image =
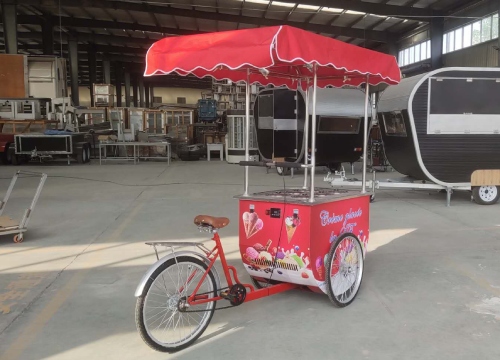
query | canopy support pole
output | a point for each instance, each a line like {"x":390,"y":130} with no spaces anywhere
{"x":365,"y":135}
{"x":306,"y":136}
{"x":313,"y":131}
{"x":247,"y":131}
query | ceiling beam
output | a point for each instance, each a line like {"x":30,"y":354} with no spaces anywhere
{"x":90,"y":38}
{"x":369,"y":7}
{"x":86,"y":48}
{"x":102,"y":24}
{"x":374,"y":35}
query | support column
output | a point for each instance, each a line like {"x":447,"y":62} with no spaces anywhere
{"x":127,"y":88}
{"x":9,"y":17}
{"x":135,"y":100}
{"x":498,"y":40}
{"x":48,"y":36}
{"x":106,"y":70}
{"x":392,"y":49}
{"x":92,"y":71}
{"x":151,"y":95}
{"x":141,"y":92}
{"x":73,"y":65}
{"x":118,"y":83}
{"x":437,"y":31}
{"x":146,"y":95}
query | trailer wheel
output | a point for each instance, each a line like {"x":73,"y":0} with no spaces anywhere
{"x":282,"y":171}
{"x":6,"y":157}
{"x":486,"y":195}
{"x":81,"y":156}
{"x":16,"y":160}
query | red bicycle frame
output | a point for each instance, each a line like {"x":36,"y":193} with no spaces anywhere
{"x":253,"y":294}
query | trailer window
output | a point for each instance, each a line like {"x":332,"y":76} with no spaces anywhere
{"x":464,"y":106}
{"x":394,"y":124}
{"x":338,"y":125}
{"x":266,"y":106}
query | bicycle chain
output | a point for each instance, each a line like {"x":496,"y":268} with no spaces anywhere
{"x":209,"y":292}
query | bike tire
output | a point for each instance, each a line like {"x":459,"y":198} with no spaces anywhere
{"x":206,"y":315}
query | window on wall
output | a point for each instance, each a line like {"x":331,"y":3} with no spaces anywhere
{"x":415,"y":53}
{"x":494,"y":27}
{"x":477,"y":32}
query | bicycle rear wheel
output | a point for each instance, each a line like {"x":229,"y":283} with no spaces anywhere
{"x":161,"y":323}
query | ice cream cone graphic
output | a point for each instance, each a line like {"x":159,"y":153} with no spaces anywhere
{"x":291,"y":223}
{"x":246,"y":222}
{"x":256,"y":227}
{"x":290,"y":230}
{"x":249,"y":220}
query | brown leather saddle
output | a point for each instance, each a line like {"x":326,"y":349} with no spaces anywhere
{"x":215,"y":222}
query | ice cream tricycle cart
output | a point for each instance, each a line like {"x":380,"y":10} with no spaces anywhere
{"x":289,"y":238}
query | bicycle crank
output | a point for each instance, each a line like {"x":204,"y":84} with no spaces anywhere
{"x":236,"y":295}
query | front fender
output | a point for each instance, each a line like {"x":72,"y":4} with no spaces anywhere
{"x":142,"y":284}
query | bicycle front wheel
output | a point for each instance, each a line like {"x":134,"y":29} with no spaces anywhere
{"x":162,"y":320}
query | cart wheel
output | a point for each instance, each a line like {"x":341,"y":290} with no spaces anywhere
{"x":372,"y":198}
{"x":81,"y":157}
{"x":486,"y":195}
{"x":18,"y":238}
{"x":282,"y":171}
{"x":344,"y":270}
{"x":88,"y":153}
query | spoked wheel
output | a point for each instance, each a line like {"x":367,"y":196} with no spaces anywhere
{"x":162,"y":318}
{"x":345,"y":269}
{"x":486,"y":195}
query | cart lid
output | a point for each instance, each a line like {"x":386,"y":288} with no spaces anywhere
{"x":278,"y":55}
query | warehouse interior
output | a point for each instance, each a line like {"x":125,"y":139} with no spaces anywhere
{"x":101,"y":159}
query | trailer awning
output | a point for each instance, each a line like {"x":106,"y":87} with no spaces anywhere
{"x":278,"y":55}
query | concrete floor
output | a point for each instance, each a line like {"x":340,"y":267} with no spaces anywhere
{"x":431,"y":288}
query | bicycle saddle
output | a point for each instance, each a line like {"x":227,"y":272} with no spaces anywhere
{"x":215,"y":222}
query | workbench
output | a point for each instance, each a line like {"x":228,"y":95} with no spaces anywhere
{"x":136,"y":154}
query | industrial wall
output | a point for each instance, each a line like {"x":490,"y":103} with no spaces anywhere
{"x":483,"y":54}
{"x":478,"y":55}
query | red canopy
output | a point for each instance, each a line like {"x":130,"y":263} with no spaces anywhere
{"x":283,"y":52}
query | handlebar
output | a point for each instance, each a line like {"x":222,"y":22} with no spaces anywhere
{"x":271,"y":163}
{"x":252,"y":163}
{"x":287,"y":164}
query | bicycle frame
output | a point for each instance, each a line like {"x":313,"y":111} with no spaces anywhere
{"x":213,"y":255}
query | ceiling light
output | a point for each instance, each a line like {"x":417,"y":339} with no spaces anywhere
{"x":279,"y":3}
{"x":334,"y":10}
{"x":308,"y":7}
{"x":265,"y":2}
{"x":355,"y":12}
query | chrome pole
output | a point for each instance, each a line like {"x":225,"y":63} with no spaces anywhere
{"x":247,"y":131}
{"x":365,"y":135}
{"x":306,"y":136}
{"x":313,"y":132}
